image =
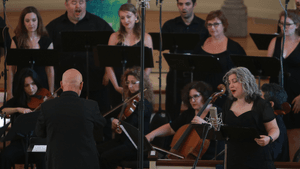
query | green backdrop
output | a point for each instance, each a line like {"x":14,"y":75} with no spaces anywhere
{"x":107,"y":10}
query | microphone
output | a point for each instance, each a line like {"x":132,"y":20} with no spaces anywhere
{"x":214,"y":118}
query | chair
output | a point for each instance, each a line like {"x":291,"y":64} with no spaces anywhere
{"x":294,"y":143}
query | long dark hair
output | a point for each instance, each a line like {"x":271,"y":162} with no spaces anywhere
{"x":19,"y":80}
{"x":137,"y":26}
{"x":21,"y":31}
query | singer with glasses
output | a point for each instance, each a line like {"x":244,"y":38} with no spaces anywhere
{"x":31,"y":34}
{"x":219,"y":46}
{"x":245,"y":108}
{"x":120,"y":148}
{"x":194,"y":96}
{"x":291,"y":63}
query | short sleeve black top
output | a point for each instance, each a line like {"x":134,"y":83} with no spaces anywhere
{"x":247,"y":153}
{"x":77,"y":60}
{"x":44,"y":43}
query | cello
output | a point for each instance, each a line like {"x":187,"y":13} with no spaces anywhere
{"x":186,"y":141}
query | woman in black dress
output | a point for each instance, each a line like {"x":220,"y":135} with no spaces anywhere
{"x":120,"y":148}
{"x":291,"y":62}
{"x":245,"y":108}
{"x":219,"y":46}
{"x":129,"y":34}
{"x":30,"y":33}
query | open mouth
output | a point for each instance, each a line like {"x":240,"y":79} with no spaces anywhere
{"x":77,"y":11}
{"x":233,"y":91}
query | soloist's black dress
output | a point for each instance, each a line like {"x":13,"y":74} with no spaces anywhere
{"x":247,"y":154}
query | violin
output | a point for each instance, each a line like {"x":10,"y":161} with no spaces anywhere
{"x":41,"y":96}
{"x":186,"y":141}
{"x":38,"y":98}
{"x":130,"y":108}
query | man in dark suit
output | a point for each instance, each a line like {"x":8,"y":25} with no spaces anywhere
{"x":68,"y":123}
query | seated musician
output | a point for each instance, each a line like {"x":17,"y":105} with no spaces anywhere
{"x":120,"y":148}
{"x":194,"y":95}
{"x":26,"y":85}
{"x":276,"y":95}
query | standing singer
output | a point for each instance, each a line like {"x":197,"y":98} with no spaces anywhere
{"x":245,"y":108}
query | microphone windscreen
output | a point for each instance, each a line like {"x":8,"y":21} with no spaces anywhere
{"x":214,"y":117}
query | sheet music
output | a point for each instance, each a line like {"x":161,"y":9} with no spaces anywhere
{"x":39,"y":148}
{"x":124,"y":130}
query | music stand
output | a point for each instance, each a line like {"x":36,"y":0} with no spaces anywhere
{"x":225,"y":133}
{"x":132,"y":134}
{"x":31,"y":57}
{"x":23,"y":127}
{"x":121,"y":56}
{"x":262,"y":41}
{"x":3,"y":129}
{"x":258,"y":66}
{"x":83,"y":41}
{"x":176,"y":41}
{"x":191,"y":63}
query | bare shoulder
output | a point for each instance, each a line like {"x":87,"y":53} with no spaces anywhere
{"x":113,"y":39}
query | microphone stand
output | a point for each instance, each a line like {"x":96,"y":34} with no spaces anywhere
{"x":281,"y":75}
{"x":160,"y":50}
{"x":206,"y":128}
{"x":5,"y":68}
{"x":141,"y":106}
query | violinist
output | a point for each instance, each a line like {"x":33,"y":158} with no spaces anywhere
{"x":120,"y":148}
{"x":27,"y":85}
{"x":276,"y":95}
{"x":245,"y":108}
{"x":194,"y":96}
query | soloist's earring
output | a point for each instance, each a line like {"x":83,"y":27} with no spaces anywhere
{"x":136,"y":21}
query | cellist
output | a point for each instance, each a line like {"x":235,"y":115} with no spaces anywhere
{"x":194,"y":95}
{"x":26,"y":85}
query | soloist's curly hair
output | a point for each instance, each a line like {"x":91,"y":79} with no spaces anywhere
{"x":248,"y":81}
{"x":203,"y":88}
{"x":136,"y":72}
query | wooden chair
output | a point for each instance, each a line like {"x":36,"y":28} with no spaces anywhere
{"x":294,"y":142}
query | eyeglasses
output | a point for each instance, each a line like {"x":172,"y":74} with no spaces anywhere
{"x":194,"y":97}
{"x":216,"y":24}
{"x":287,"y":24}
{"x":131,"y":82}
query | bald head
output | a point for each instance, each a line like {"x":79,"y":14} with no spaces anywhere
{"x":72,"y":81}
